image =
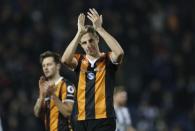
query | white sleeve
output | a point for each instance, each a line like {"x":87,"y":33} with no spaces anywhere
{"x":127,"y":116}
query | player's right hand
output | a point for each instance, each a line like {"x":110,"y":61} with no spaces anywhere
{"x":42,"y":87}
{"x":81,"y":23}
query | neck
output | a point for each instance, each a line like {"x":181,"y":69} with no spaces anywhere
{"x":55,"y":78}
{"x":92,"y":57}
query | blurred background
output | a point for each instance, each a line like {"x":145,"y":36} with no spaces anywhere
{"x":158,"y":70}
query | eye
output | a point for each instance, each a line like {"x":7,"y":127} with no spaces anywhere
{"x":83,"y":43}
{"x":49,"y":64}
{"x":91,"y":40}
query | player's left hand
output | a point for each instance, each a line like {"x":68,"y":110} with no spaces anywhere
{"x":95,"y":18}
{"x":51,"y":89}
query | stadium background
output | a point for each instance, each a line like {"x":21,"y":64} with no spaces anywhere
{"x":158,"y":69}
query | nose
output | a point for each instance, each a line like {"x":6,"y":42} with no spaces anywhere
{"x":88,"y":43}
{"x":45,"y":68}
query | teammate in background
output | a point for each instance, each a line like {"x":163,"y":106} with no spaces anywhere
{"x":123,"y":118}
{"x":95,"y":73}
{"x":56,"y":95}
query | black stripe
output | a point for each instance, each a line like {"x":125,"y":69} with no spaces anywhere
{"x":110,"y":74}
{"x":47,"y":115}
{"x":90,"y":92}
{"x":63,"y":124}
{"x":70,"y":97}
{"x":60,"y":115}
{"x":77,"y":70}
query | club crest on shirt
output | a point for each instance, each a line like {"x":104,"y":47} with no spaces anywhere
{"x":70,"y":89}
{"x":90,"y":76}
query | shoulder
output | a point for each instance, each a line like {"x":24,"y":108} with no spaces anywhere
{"x":69,"y":86}
{"x":67,"y":82}
{"x":78,"y":56}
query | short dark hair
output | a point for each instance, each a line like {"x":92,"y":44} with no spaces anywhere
{"x":90,"y":29}
{"x":55,"y":56}
{"x":119,"y":89}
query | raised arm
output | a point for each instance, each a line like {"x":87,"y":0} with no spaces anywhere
{"x":117,"y":51}
{"x":68,"y":56}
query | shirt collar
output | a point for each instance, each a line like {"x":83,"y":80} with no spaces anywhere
{"x":56,"y":82}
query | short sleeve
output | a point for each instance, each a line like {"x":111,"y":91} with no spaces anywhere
{"x":111,"y":60}
{"x":77,"y":56}
{"x":79,"y":59}
{"x":68,"y":92}
{"x":110,"y":63}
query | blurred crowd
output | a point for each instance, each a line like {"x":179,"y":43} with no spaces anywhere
{"x":158,"y":70}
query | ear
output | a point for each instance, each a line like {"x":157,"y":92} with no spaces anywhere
{"x":58,"y":66}
{"x":81,"y":45}
{"x":97,"y":37}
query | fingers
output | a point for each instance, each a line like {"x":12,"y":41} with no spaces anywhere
{"x":46,"y":87}
{"x":81,"y":18}
{"x":94,"y":12}
{"x":91,"y":19}
{"x":43,"y":84}
{"x":42,"y":78}
{"x":90,"y":16}
{"x":93,"y":15}
{"x":101,"y":19}
{"x":50,"y":90}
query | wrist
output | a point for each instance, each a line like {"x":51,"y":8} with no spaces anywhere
{"x":53,"y":96}
{"x":41,"y":97}
{"x":80,"y":33}
{"x":99,"y":29}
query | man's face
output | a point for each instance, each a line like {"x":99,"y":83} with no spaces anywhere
{"x":121,"y":98}
{"x":50,"y":68}
{"x":89,"y":43}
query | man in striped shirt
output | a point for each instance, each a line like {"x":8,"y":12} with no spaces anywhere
{"x":95,"y":73}
{"x":56,"y":95}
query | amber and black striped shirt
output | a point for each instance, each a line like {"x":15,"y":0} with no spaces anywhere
{"x":53,"y":119}
{"x":95,"y":87}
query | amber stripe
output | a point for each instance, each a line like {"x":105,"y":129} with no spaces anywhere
{"x":54,"y":112}
{"x":100,"y":101}
{"x":81,"y":90}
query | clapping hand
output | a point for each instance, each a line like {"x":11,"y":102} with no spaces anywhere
{"x":51,"y":88}
{"x":95,"y":18}
{"x":42,"y":87}
{"x":81,"y":23}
